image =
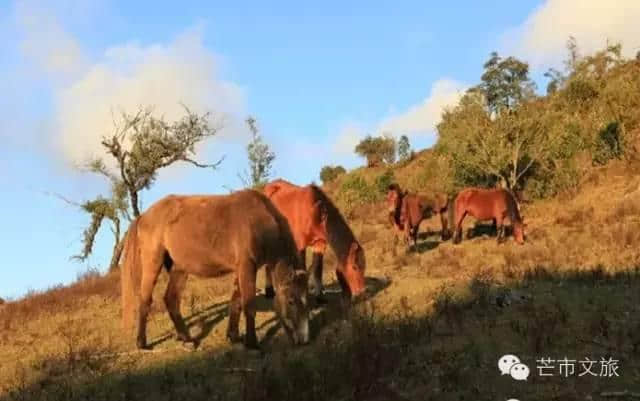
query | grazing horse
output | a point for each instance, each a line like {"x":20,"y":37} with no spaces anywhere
{"x":406,"y":211}
{"x":485,"y":204}
{"x":316,"y":222}
{"x":211,"y":236}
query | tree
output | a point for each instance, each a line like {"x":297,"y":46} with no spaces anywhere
{"x":505,"y":83}
{"x":377,"y":149}
{"x":404,"y":148}
{"x":503,"y":149}
{"x":556,"y":80}
{"x":140,"y":146}
{"x":260,"y":157}
{"x":330,"y":173}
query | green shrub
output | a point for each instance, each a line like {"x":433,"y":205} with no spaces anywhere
{"x":383,"y":181}
{"x":579,"y":91}
{"x":330,"y":173}
{"x":608,"y":144}
{"x":354,"y":192}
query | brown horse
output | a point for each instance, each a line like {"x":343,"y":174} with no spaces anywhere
{"x":484,"y":204}
{"x":211,"y":236}
{"x":406,"y":211}
{"x":316,"y":222}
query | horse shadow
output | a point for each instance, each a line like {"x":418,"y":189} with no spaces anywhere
{"x":481,"y":229}
{"x":425,"y":246}
{"x":337,"y":308}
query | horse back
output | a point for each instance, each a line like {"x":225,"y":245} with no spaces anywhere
{"x":211,"y":234}
{"x":297,"y":205}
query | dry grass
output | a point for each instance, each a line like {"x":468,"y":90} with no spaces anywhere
{"x":433,"y":328}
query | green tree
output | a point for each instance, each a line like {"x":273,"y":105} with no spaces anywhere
{"x":505,"y":83}
{"x":260,"y":156}
{"x":377,"y":150}
{"x":404,"y":148}
{"x":140,"y":146}
{"x":330,"y":173}
{"x":503,"y":149}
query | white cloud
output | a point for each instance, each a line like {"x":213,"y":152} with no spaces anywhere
{"x":89,"y":91}
{"x":421,"y":119}
{"x":542,"y":38}
{"x":161,"y":75}
{"x":347,"y":139}
{"x":46,"y":43}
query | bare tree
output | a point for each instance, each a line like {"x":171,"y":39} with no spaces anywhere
{"x":140,"y":146}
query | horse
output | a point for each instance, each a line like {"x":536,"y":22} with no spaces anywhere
{"x":211,"y":236}
{"x":316,"y":222}
{"x":484,"y":204}
{"x":406,"y":211}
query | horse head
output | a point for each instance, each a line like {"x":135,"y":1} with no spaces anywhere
{"x":394,"y":198}
{"x":290,"y":302}
{"x":518,"y":232}
{"x":351,"y":275}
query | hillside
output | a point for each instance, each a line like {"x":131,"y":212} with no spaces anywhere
{"x":433,"y":326}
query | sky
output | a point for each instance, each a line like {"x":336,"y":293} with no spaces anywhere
{"x":317,"y":77}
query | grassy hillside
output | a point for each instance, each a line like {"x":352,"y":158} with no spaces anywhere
{"x":433,"y":327}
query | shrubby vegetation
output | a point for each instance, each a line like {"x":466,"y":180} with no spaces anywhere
{"x":330,"y":173}
{"x":502,"y":133}
{"x":377,"y":150}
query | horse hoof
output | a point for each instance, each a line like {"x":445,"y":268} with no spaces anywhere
{"x":142,"y":345}
{"x":321,"y":299}
{"x":269,"y":292}
{"x":190,"y":345}
{"x":233,"y":338}
{"x":252,"y":345}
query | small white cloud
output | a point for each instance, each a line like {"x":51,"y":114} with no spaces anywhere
{"x":422,"y":118}
{"x":46,"y":43}
{"x":542,"y":38}
{"x":348,"y":138}
{"x":131,"y":75}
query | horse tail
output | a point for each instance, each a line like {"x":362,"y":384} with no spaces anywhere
{"x":130,"y":276}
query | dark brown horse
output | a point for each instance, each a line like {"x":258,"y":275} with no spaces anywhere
{"x":316,"y":222}
{"x":406,"y":211}
{"x":211,"y":236}
{"x":489,"y":204}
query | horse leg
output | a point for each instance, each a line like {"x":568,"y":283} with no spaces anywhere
{"x":247,"y":286}
{"x":500,"y":228}
{"x":234,"y":313}
{"x":151,"y":264}
{"x":269,"y":292}
{"x":444,"y":232}
{"x":316,"y":270}
{"x":414,"y":233}
{"x":177,"y":282}
{"x":457,"y":237}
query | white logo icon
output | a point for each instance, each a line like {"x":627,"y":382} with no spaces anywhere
{"x":519,"y":371}
{"x":506,"y":362}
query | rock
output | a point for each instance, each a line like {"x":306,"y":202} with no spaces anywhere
{"x":1,"y":301}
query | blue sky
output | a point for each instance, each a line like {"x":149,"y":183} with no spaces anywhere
{"x":317,"y":78}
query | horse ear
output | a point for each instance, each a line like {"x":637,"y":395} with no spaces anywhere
{"x":282,"y":274}
{"x":353,"y":249}
{"x":300,"y":278}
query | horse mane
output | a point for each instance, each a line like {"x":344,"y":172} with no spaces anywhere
{"x":283,"y":226}
{"x":339,"y":234}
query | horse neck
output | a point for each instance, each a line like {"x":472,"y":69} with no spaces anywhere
{"x":512,"y":208}
{"x":340,"y":237}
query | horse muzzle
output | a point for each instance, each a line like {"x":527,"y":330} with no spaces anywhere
{"x":301,"y":335}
